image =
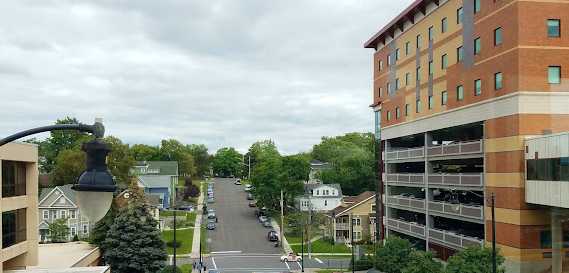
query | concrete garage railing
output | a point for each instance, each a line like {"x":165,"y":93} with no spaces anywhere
{"x":461,"y":179}
{"x":405,"y":154}
{"x":407,"y":227}
{"x":467,"y":147}
{"x":474,"y":212}
{"x":406,"y":202}
{"x":454,"y":240}
{"x":417,"y":179}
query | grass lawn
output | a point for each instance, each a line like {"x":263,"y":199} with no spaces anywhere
{"x":186,"y":268}
{"x":328,"y":270}
{"x":321,"y":246}
{"x":294,"y":239}
{"x":186,"y":236}
{"x":203,"y":239}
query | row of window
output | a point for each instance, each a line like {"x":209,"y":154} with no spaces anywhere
{"x":549,"y":169}
{"x":72,"y":214}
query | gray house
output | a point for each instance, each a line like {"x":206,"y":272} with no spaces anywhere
{"x":60,"y":203}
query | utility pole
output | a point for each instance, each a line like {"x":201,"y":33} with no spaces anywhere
{"x":282,"y":217}
{"x":249,"y":175}
{"x":494,"y":265}
{"x":302,"y":247}
{"x":175,"y":245}
{"x":352,"y":242}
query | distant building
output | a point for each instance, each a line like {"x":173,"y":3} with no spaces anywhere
{"x":157,"y":178}
{"x":320,"y":197}
{"x":360,"y":209}
{"x":60,"y":203}
{"x":152,"y":201}
{"x":316,"y":168}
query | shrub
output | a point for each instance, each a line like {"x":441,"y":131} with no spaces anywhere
{"x":75,"y":238}
{"x":474,"y":260}
{"x":362,"y":264}
{"x":423,"y":262}
{"x":393,"y":256}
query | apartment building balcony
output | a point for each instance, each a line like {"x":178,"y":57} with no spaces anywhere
{"x":417,"y":153}
{"x":405,"y":179}
{"x":409,"y":228}
{"x":406,"y":202}
{"x":453,"y":240}
{"x":463,"y":148}
{"x":449,"y":180}
{"x":459,"y":211}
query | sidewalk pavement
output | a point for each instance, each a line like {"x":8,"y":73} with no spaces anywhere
{"x":197,"y":227}
{"x":276,"y":227}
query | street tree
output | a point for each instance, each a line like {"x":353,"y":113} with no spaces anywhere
{"x":120,"y":161}
{"x":423,"y":262}
{"x":69,"y":165}
{"x":133,"y":243}
{"x":143,"y":152}
{"x":58,"y":230}
{"x":174,"y":150}
{"x":474,"y":260}
{"x":227,"y":162}
{"x":201,"y":158}
{"x":394,"y":255}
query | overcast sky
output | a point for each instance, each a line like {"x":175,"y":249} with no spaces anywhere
{"x":217,"y":72}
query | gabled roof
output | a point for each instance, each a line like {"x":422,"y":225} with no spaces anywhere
{"x":357,"y":200}
{"x":159,"y":167}
{"x":310,"y":187}
{"x":65,"y":189}
{"x":155,"y":181}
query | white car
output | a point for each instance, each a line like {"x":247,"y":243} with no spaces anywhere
{"x":249,"y":187}
{"x":291,"y":257}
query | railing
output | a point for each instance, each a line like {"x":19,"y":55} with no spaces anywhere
{"x":455,"y":240}
{"x":406,"y":227}
{"x":405,"y":178}
{"x":467,"y":147}
{"x":405,"y":153}
{"x":406,"y":202}
{"x":460,"y":179}
{"x":343,"y":226}
{"x":474,"y":212}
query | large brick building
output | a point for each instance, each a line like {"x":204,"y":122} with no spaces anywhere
{"x":459,"y":85}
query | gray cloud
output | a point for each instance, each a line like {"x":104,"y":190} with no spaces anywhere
{"x":221,"y":72}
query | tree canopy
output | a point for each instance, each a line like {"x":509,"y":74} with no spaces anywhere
{"x":474,"y":260}
{"x":227,"y":162}
{"x":393,"y":256}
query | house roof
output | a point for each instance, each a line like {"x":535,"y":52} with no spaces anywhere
{"x":66,"y":189}
{"x":309,"y":187}
{"x":162,"y":167}
{"x":397,"y":23}
{"x":357,"y":200}
{"x":317,"y":164}
{"x":155,"y":181}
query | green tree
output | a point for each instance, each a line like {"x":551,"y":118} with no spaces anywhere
{"x":474,"y":260}
{"x":120,"y":161}
{"x":423,"y":262}
{"x":99,"y":232}
{"x":58,"y":230}
{"x":59,"y":141}
{"x":142,"y":152}
{"x":173,"y":150}
{"x":201,"y":158}
{"x":393,"y":256}
{"x":133,"y":243}
{"x":227,"y":162}
{"x":69,"y":165}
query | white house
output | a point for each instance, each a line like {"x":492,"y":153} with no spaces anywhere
{"x":320,"y":197}
{"x":316,"y":168}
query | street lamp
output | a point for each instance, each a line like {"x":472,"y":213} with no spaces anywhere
{"x":95,"y":186}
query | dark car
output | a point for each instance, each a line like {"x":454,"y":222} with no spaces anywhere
{"x":273,"y":236}
{"x":252,"y":204}
{"x":249,"y":196}
{"x":210,"y":226}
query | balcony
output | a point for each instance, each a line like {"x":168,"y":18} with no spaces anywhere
{"x":342,"y":226}
{"x":409,"y":228}
{"x":461,"y":210}
{"x":454,"y":240}
{"x":405,"y":179}
{"x":457,"y":180}
{"x":458,"y":148}
{"x":407,"y":202}
{"x":410,"y":153}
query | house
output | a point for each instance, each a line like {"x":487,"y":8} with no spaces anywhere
{"x":152,"y":201}
{"x":60,"y":203}
{"x":316,"y":168}
{"x":157,"y":178}
{"x":360,"y":209}
{"x":320,"y":197}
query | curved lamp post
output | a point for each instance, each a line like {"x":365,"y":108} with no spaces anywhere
{"x":95,"y":186}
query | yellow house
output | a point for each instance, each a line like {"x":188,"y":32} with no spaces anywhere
{"x":360,"y":209}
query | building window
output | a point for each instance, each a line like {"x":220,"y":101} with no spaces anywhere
{"x":13,"y":178}
{"x":418,"y":74}
{"x":419,"y":41}
{"x":548,"y":169}
{"x":418,"y":106}
{"x":379,"y":92}
{"x":53,"y":214}
{"x":498,"y":36}
{"x":389,"y":60}
{"x":476,"y":6}
{"x":73,"y":231}
{"x":431,"y":102}
{"x":317,"y":192}
{"x":554,"y":28}
{"x":444,"y":98}
{"x":431,"y":33}
{"x":554,"y":74}
{"x":13,"y":227}
{"x":397,"y":84}
{"x":325,"y":203}
{"x":407,"y":107}
{"x":397,"y":113}
{"x":45,"y":214}
{"x":459,"y":54}
{"x":397,"y":54}
{"x":459,"y":15}
{"x":380,"y":65}
{"x":477,"y":87}
{"x":85,"y":229}
{"x":407,"y":48}
{"x":498,"y":81}
{"x":389,"y":88}
{"x":431,"y":68}
{"x":63,"y":214}
{"x":388,"y":115}
{"x":444,"y":61}
{"x":459,"y":93}
{"x":444,"y":25}
{"x":407,"y":78}
{"x":477,"y":46}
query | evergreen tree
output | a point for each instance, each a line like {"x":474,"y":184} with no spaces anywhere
{"x":133,"y":243}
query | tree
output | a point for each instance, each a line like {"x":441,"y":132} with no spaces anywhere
{"x":201,"y":158}
{"x":474,"y":260}
{"x":173,"y":150}
{"x":190,"y":190}
{"x":59,"y":141}
{"x":393,"y":256}
{"x":423,"y":262}
{"x":142,"y":152}
{"x":69,"y":165}
{"x":133,"y":242}
{"x":227,"y":162}
{"x":120,"y":161}
{"x":58,"y":230}
{"x":99,"y":232}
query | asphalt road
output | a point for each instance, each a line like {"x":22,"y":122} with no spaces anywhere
{"x":238,"y":230}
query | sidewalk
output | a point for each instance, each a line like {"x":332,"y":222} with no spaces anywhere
{"x":197,"y":227}
{"x":286,"y":246}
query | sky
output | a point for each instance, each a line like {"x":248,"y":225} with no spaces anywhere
{"x":217,"y":72}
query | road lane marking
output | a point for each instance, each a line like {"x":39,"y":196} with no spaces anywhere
{"x":227,"y":252}
{"x":287,"y":266}
{"x":299,"y":264}
{"x":318,"y":260}
{"x":213,"y":261}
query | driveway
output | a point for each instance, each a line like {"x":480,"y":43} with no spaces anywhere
{"x":238,"y":230}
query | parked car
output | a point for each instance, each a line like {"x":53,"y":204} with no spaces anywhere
{"x":249,"y":187}
{"x":237,"y":182}
{"x":252,"y":204}
{"x":211,"y":215}
{"x":210,"y":226}
{"x":249,"y":196}
{"x":211,"y":199}
{"x":291,"y":257}
{"x":189,"y":208}
{"x":267,"y":223}
{"x":209,"y":210}
{"x":260,"y":212}
{"x":273,"y":236}
{"x":263,"y":219}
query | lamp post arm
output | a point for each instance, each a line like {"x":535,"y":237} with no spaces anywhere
{"x":97,"y":129}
